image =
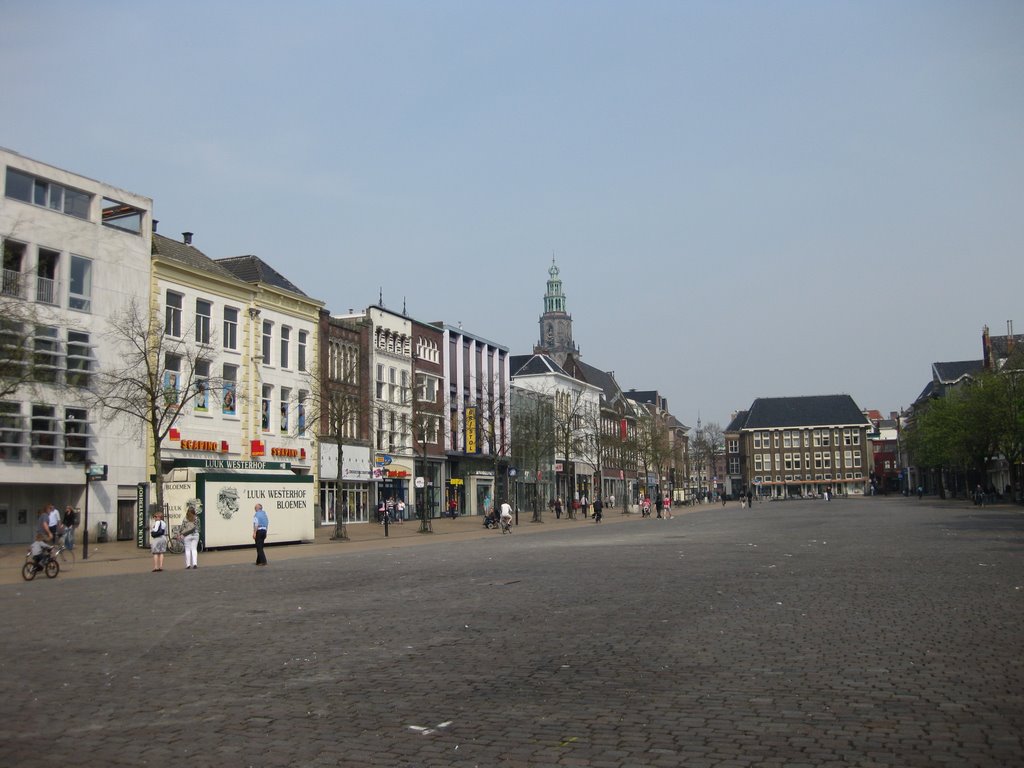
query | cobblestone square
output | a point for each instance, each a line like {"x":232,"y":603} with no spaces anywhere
{"x":862,"y":632}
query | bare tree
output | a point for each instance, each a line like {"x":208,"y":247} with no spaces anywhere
{"x":573,"y":419}
{"x":156,"y":377}
{"x":653,"y":448}
{"x":533,"y":441}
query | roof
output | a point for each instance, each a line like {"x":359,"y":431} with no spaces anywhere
{"x":188,"y":255}
{"x":737,"y":422}
{"x":533,"y":365}
{"x":809,"y":411}
{"x":951,"y":373}
{"x":253,"y":269}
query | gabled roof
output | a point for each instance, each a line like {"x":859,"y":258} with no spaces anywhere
{"x":533,"y":365}
{"x":253,"y":269}
{"x":952,"y":373}
{"x":814,"y":410}
{"x":188,"y":255}
{"x":737,"y":422}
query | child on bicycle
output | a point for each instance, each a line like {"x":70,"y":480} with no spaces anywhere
{"x":40,"y":551}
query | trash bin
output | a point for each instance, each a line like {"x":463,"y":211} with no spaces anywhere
{"x":101,"y":537}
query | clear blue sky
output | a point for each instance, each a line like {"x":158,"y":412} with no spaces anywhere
{"x":745,"y":198}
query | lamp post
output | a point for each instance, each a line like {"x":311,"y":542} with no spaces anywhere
{"x":85,"y":515}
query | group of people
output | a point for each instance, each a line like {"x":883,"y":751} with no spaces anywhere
{"x":582,"y":505}
{"x":159,"y":536}
{"x":662,"y":507}
{"x":52,"y":526}
{"x":391,"y":510}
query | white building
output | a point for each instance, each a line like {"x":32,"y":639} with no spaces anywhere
{"x":75,"y":251}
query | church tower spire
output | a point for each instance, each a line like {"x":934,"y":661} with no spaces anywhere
{"x":555,"y":323}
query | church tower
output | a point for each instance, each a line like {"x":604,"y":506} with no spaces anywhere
{"x":555,"y":323}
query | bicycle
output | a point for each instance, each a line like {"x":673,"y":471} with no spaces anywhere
{"x":50,"y":566}
{"x":65,"y":556}
{"x":176,"y":542}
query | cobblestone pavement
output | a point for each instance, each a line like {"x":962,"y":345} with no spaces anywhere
{"x":868,"y":632}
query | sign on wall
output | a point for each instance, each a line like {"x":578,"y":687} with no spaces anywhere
{"x":471,"y":430}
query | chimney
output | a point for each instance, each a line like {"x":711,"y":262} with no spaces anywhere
{"x":186,"y":238}
{"x":155,"y":222}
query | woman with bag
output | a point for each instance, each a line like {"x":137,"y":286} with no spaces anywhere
{"x":158,"y":540}
{"x":190,"y":537}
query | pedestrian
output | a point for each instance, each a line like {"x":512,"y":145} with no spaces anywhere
{"x":70,"y":522}
{"x":260,"y":524}
{"x":584,"y":505}
{"x":453,"y":508}
{"x":54,"y":522}
{"x":920,"y":491}
{"x":645,"y":508}
{"x":43,"y":524}
{"x":382,"y":510}
{"x":657,"y":506}
{"x":558,"y":508}
{"x":611,"y":501}
{"x":723,"y":497}
{"x":598,"y":508}
{"x":190,"y":537}
{"x":158,"y":540}
{"x":389,"y":509}
{"x":750,"y":498}
{"x":400,"y":510}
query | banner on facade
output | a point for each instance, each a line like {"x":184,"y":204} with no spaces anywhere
{"x":471,"y":430}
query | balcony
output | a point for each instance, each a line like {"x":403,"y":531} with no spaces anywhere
{"x":13,"y":284}
{"x":46,"y":291}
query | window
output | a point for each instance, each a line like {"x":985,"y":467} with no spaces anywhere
{"x":286,"y":336}
{"x":44,"y":433}
{"x":286,"y":396}
{"x":300,"y":413}
{"x":46,"y":354}
{"x":202,"y":385}
{"x":817,"y":459}
{"x":776,"y":439}
{"x":46,"y":276}
{"x":172,"y":377}
{"x":14,"y":259}
{"x":204,"y":310}
{"x":303,"y":335}
{"x":230,"y":328}
{"x":786,"y":442}
{"x":758,"y":466}
{"x":47,"y":194}
{"x":10,"y":431}
{"x":734,"y":465}
{"x":268,"y":330}
{"x":380,"y":382}
{"x":268,"y":393}
{"x":118,"y":215}
{"x":227,"y":403}
{"x":757,"y":439}
{"x":734,"y":446}
{"x":172,"y":318}
{"x":856,"y":437}
{"x":80,"y":284}
{"x":76,"y":435}
{"x":847,"y":437}
{"x":79,"y":360}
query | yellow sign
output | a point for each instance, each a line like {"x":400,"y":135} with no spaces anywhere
{"x":471,"y":430}
{"x":455,"y":481}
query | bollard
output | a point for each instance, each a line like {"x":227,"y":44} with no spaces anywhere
{"x":387,"y":518}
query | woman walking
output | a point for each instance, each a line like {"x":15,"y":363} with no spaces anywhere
{"x":190,"y":536}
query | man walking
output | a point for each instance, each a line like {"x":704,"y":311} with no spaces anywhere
{"x":260,"y":523}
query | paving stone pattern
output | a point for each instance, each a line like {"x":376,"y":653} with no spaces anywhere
{"x":868,"y":632}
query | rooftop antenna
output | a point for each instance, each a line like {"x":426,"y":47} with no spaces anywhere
{"x":403,"y":305}
{"x":380,"y":297}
